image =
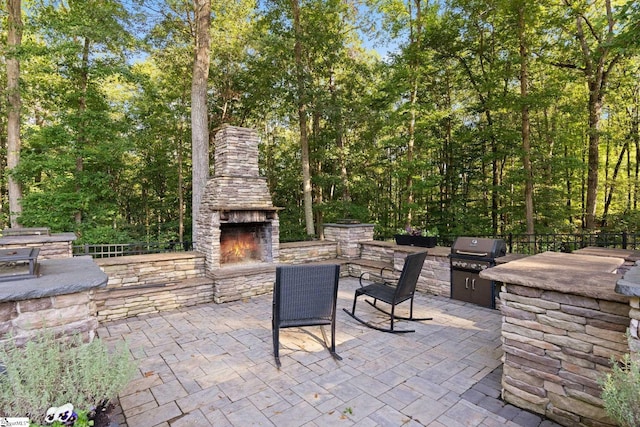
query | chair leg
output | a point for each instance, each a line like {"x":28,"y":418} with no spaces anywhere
{"x":393,"y":312}
{"x":377,"y":328}
{"x":353,"y":309}
{"x":276,"y":344}
{"x":332,"y":346}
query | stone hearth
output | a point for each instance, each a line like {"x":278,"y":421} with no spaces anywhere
{"x":238,"y":226}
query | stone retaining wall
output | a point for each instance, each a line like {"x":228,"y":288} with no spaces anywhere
{"x":303,"y":252}
{"x":142,"y":284}
{"x":243,"y":282}
{"x":629,"y":285}
{"x":348,"y":237}
{"x":436,"y":273}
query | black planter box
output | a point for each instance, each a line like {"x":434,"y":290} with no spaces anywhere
{"x":422,"y":241}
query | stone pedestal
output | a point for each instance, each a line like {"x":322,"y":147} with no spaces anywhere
{"x":348,"y":237}
{"x":52,"y":246}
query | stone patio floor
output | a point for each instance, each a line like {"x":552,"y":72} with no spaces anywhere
{"x":213,"y":365}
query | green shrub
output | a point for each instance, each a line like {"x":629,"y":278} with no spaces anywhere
{"x":621,"y":392}
{"x":51,"y":372}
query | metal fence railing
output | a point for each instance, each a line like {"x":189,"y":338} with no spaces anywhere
{"x":123,"y":249}
{"x":516,"y":243}
{"x":561,"y":242}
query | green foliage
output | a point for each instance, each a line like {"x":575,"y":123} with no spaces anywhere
{"x":621,"y":391}
{"x":52,"y":372}
{"x":106,"y":139}
{"x":103,"y":235}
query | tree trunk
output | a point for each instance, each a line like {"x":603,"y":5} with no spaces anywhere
{"x":82,"y":109}
{"x":598,"y":64}
{"x":525,"y":125}
{"x":14,"y":40}
{"x":307,"y":189}
{"x":414,"y":41}
{"x":199,"y":111}
{"x":609,"y":196}
{"x":593,"y":162}
{"x":340,"y":145}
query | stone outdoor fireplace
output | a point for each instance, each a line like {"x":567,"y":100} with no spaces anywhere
{"x":237,"y":224}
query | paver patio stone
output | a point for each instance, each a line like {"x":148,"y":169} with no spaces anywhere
{"x":213,"y":365}
{"x":168,"y":392}
{"x":297,"y":415}
{"x":154,"y":417}
{"x":192,"y":419}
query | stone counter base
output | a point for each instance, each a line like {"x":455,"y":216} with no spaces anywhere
{"x":556,"y":348}
{"x":62,"y":315}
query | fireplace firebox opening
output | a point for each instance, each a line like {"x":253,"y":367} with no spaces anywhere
{"x":244,"y":243}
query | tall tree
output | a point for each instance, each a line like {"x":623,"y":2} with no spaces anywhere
{"x":74,"y":142}
{"x":415,"y":38}
{"x":199,"y":110}
{"x":14,"y":40}
{"x":302,"y":116}
{"x":525,"y":119}
{"x":600,"y":48}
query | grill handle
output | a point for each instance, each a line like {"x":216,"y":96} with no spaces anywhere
{"x":471,"y":253}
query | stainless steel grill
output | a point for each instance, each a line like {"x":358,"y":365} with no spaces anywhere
{"x":469,"y":256}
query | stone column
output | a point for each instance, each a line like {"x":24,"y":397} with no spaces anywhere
{"x":348,"y":237}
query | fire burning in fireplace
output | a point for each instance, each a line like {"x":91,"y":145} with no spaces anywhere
{"x":240,"y":244}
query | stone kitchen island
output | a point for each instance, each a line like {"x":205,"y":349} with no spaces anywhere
{"x":562,"y":323}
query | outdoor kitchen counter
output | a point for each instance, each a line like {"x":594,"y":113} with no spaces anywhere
{"x":628,"y":255}
{"x":56,"y":277}
{"x":562,"y":322}
{"x":585,"y":275}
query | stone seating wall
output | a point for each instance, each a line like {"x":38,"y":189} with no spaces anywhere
{"x":143,"y":284}
{"x":304,"y":252}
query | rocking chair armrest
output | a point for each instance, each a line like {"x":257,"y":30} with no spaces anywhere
{"x":379,"y":278}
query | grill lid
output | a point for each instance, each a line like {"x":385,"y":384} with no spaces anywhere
{"x":478,"y":247}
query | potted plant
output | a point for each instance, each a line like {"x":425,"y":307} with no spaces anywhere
{"x":411,"y":236}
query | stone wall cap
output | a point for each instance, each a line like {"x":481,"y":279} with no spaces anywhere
{"x":584,"y":275}
{"x":56,"y":277}
{"x":245,"y":208}
{"x":358,"y":225}
{"x":37,"y":238}
{"x":135,"y":259}
{"x":630,"y":283}
{"x":626,"y":254}
{"x":238,"y":270}
{"x":307,"y":243}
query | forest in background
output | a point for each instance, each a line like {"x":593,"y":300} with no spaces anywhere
{"x":486,"y":116}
